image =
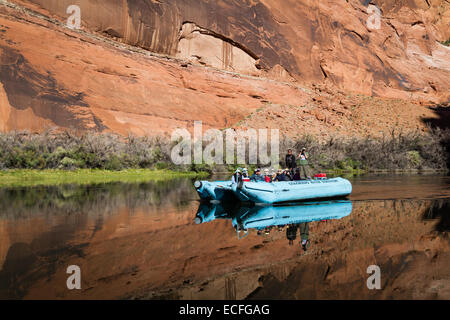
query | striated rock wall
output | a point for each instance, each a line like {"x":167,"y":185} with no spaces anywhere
{"x":199,"y":45}
{"x":311,"y":40}
{"x":93,"y":79}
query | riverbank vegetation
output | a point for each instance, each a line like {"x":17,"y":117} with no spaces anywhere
{"x":27,"y":177}
{"x":102,"y":156}
{"x":412,"y":151}
{"x":67,"y":150}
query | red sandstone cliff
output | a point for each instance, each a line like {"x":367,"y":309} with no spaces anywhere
{"x":148,"y":67}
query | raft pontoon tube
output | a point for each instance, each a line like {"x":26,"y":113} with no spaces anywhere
{"x":213,"y":190}
{"x":285,"y":191}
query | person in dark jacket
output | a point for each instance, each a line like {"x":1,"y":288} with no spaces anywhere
{"x":290,"y":160}
{"x":291,"y":233}
{"x":287,"y":175}
{"x":284,"y":175}
{"x":257,"y":176}
{"x":280,"y":176}
{"x":296,"y":174}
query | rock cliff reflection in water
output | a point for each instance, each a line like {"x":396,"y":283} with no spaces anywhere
{"x":144,"y":241}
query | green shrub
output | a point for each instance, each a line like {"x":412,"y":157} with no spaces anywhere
{"x":414,"y":158}
{"x":68,"y":163}
{"x":113,"y":163}
{"x":446,"y":42}
{"x":161,"y":165}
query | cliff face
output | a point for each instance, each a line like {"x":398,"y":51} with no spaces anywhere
{"x":308,"y":40}
{"x":295,"y":43}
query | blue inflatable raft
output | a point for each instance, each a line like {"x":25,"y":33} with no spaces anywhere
{"x":276,"y":192}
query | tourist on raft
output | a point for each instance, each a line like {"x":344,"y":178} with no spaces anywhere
{"x":291,"y":161}
{"x":237,"y":176}
{"x":282,"y":176}
{"x":303,"y":164}
{"x":245,"y":176}
{"x":267,"y":176}
{"x":279,"y":176}
{"x":274,"y":175}
{"x":287,"y":175}
{"x":257,"y":176}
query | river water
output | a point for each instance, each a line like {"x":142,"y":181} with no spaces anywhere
{"x":157,"y":241}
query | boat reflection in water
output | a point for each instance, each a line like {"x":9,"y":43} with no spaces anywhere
{"x":263,"y":218}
